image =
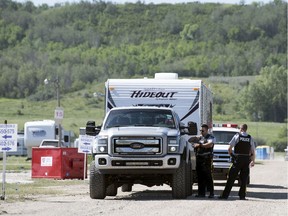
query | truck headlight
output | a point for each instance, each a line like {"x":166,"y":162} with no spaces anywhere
{"x":101,"y":145}
{"x":173,"y":145}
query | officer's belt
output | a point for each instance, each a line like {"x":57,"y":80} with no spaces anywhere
{"x":242,"y":155}
{"x":205,"y":154}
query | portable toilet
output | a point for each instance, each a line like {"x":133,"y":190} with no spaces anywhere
{"x":264,"y":152}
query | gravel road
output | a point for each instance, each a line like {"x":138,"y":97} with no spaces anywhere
{"x":267,"y":196}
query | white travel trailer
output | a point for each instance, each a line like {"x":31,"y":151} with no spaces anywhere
{"x":36,"y":131}
{"x":191,"y":99}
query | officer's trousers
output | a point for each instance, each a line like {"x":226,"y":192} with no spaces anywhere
{"x":204,"y":174}
{"x":240,"y":165}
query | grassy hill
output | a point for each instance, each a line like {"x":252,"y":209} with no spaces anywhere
{"x":81,"y":106}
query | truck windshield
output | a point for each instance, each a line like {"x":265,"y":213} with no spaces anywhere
{"x":138,"y":118}
{"x":50,"y":143}
{"x":223,"y":137}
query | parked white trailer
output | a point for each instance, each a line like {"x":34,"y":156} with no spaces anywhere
{"x":191,"y":99}
{"x":36,"y":131}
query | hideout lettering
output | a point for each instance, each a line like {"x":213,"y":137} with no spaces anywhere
{"x":151,"y":94}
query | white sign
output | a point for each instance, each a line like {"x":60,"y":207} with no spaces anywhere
{"x":8,"y":137}
{"x":85,"y":144}
{"x":59,"y":113}
{"x":46,"y":161}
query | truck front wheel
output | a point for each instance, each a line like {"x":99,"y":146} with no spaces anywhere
{"x":179,"y":179}
{"x":97,"y":183}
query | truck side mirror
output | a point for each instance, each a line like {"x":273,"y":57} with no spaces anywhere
{"x":91,"y":128}
{"x":192,"y":128}
{"x":66,"y":138}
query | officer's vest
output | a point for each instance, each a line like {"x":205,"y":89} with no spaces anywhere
{"x":243,"y":146}
{"x":206,"y":151}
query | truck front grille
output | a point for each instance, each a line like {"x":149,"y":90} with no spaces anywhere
{"x":137,"y":163}
{"x":221,"y":156}
{"x":137,"y":145}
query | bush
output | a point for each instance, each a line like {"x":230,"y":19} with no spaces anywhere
{"x":279,"y":145}
{"x":260,"y":141}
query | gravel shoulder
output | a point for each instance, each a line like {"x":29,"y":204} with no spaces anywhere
{"x":267,"y":195}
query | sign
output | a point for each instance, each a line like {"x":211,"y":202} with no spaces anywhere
{"x":85,"y":144}
{"x":58,"y":114}
{"x":8,"y":137}
{"x":46,"y":161}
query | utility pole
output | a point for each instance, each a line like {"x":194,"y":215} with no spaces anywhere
{"x":59,"y":112}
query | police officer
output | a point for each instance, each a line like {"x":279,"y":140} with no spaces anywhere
{"x":204,"y":162}
{"x":244,"y":156}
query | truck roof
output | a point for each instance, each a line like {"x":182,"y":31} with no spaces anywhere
{"x":50,"y":143}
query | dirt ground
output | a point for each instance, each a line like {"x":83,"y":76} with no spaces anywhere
{"x":267,"y":196}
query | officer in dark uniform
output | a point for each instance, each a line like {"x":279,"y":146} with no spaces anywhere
{"x":243,"y":157}
{"x":204,"y":162}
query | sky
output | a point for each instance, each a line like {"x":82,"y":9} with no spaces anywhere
{"x":52,"y":2}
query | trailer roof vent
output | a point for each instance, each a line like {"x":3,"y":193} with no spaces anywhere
{"x":166,"y":75}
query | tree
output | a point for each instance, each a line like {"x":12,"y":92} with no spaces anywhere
{"x":268,"y":95}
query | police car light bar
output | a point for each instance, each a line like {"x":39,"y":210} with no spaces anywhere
{"x":226,"y":125}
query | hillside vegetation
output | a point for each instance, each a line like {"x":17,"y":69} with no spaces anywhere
{"x":87,"y":42}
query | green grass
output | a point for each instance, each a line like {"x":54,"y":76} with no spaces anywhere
{"x":80,"y":107}
{"x":16,"y":164}
{"x":266,"y":131}
{"x":23,"y":191}
{"x":77,"y":111}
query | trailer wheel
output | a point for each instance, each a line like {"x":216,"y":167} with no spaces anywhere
{"x":97,"y":183}
{"x":179,"y":184}
{"x":126,"y":187}
{"x":111,"y":190}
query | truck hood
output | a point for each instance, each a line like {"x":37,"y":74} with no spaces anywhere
{"x":139,"y":131}
{"x":221,"y":147}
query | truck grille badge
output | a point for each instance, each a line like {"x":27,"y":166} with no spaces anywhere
{"x":136,"y":145}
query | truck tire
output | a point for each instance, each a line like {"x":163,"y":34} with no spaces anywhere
{"x":111,"y":190}
{"x":126,"y":188}
{"x":97,"y":183}
{"x":179,"y":184}
{"x":189,"y":179}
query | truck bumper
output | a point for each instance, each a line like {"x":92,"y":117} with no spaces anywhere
{"x":106,"y":163}
{"x":220,"y":170}
{"x":221,"y":165}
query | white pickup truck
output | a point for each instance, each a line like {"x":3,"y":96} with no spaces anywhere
{"x":223,"y":134}
{"x":141,"y":145}
{"x":51,"y":143}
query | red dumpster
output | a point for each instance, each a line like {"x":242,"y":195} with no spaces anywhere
{"x":58,"y":163}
